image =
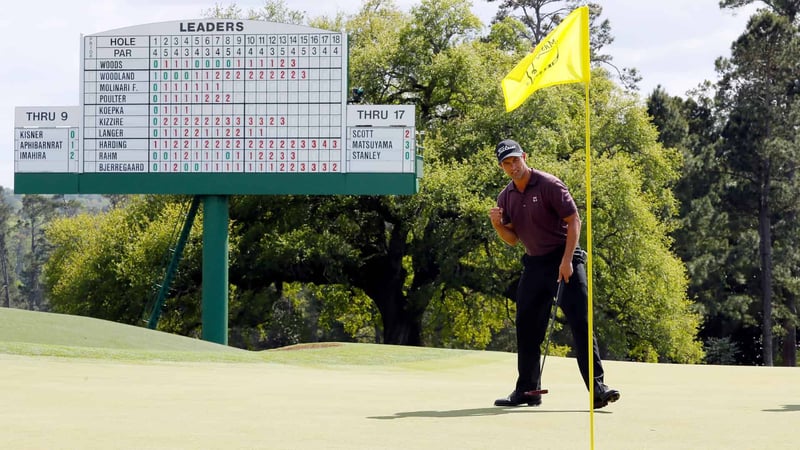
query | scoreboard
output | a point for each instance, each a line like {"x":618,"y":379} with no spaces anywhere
{"x":380,"y":138}
{"x":219,"y":107}
{"x":47,"y":139}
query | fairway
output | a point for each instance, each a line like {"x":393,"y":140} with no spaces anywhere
{"x":357,"y":396}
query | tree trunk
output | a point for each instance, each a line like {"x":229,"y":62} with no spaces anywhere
{"x":765,"y":250}
{"x":4,"y":263}
{"x":402,"y":328}
{"x":402,"y":323}
{"x":33,"y":275}
{"x":383,"y":281}
{"x":789,"y":350}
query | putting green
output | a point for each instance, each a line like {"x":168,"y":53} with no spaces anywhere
{"x":78,"y":383}
{"x":432,"y":404}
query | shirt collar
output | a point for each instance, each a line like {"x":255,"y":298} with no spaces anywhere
{"x":531,"y":181}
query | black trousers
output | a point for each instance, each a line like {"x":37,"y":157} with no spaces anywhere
{"x":535,"y":293}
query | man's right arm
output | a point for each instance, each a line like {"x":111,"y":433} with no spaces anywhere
{"x":505,"y":231}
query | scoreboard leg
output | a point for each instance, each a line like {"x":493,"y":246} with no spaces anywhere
{"x":215,"y":269}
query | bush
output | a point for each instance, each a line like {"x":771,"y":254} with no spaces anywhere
{"x":721,"y":351}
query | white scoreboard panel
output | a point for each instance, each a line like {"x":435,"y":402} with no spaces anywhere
{"x":47,"y":138}
{"x":381,"y":138}
{"x":214,"y":96}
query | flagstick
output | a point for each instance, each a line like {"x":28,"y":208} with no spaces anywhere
{"x":589,"y":268}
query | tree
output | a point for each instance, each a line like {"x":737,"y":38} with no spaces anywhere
{"x":637,"y":275}
{"x":109,"y":265}
{"x":760,"y":150}
{"x":36,"y":212}
{"x":786,"y":8}
{"x":5,"y":269}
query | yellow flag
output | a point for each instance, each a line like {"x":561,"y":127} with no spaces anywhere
{"x":561,"y":57}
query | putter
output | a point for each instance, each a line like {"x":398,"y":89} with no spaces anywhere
{"x":556,"y":301}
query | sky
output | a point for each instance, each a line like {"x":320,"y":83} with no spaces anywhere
{"x":673,"y":43}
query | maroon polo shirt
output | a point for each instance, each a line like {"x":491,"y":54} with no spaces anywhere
{"x":537,"y":214}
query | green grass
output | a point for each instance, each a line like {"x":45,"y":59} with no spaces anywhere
{"x":94,"y":384}
{"x":59,"y":335}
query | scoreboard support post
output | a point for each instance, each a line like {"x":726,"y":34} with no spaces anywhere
{"x":215,"y":269}
{"x":154,"y":312}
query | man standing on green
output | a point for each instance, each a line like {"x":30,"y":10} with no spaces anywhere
{"x":537,"y":209}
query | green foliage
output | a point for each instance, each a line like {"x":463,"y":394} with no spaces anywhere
{"x":644,"y":352}
{"x":6,"y":272}
{"x":505,"y":35}
{"x":36,"y":212}
{"x":107,"y":266}
{"x":350,"y":309}
{"x":463,"y":320}
{"x":640,"y":286}
{"x":721,"y":350}
{"x":277,"y":11}
{"x":738,"y":192}
{"x":454,"y":234}
{"x":374,"y":43}
{"x":787,"y":8}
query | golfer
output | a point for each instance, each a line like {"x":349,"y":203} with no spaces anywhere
{"x":537,"y":209}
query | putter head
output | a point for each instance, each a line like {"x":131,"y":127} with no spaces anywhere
{"x":537,"y":392}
